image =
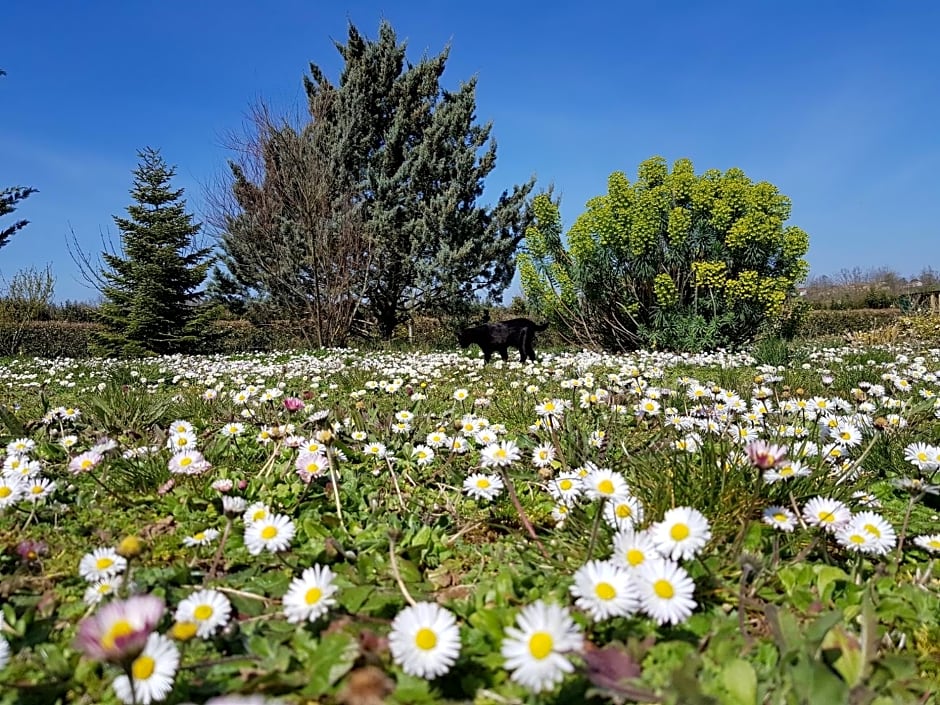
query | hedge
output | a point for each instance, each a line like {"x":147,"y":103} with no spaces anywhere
{"x":824,"y":323}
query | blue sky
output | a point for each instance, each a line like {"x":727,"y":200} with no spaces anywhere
{"x":836,"y":103}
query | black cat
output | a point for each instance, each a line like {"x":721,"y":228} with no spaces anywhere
{"x":517,"y":332}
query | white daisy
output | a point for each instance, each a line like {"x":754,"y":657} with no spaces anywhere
{"x":422,"y":454}
{"x":101,"y":563}
{"x":830,"y":514}
{"x":603,"y":483}
{"x":153,"y":673}
{"x":566,"y":488}
{"x":779,"y":518}
{"x":665,"y":590}
{"x":928,"y":542}
{"x":882,"y":536}
{"x":273,"y":534}
{"x":207,"y":609}
{"x":604,"y":590}
{"x":4,"y":652}
{"x":633,"y":548}
{"x":424,"y":640}
{"x":681,"y":534}
{"x":11,"y":490}
{"x":500,"y":454}
{"x":100,"y":589}
{"x":37,"y":488}
{"x":257,"y":511}
{"x":543,"y":455}
{"x":311,"y":595}
{"x":482,"y":486}
{"x":201,"y":538}
{"x":535,"y":649}
{"x":623,"y":511}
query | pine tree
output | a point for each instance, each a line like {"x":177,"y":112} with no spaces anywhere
{"x":414,"y":160}
{"x":9,"y":197}
{"x":152,"y":300}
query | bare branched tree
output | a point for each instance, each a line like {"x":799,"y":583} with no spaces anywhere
{"x":290,"y":230}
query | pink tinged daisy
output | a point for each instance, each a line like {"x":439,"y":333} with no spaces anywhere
{"x":152,"y":672}
{"x":681,"y":534}
{"x":311,"y":465}
{"x":84,"y":462}
{"x":829,"y":514}
{"x":119,"y":630}
{"x":273,"y":534}
{"x":483,"y":487}
{"x":928,"y":542}
{"x":207,"y":609}
{"x":764,"y":455}
{"x":188,"y":462}
{"x":779,"y":518}
{"x":101,"y":563}
{"x":665,"y":590}
{"x":632,"y":549}
{"x":536,"y":648}
{"x":424,"y":640}
{"x":604,"y":590}
{"x":201,"y":538}
{"x":603,"y":483}
{"x":310,"y":596}
{"x":622,"y":512}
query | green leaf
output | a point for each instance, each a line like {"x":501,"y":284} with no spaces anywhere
{"x":327,"y":661}
{"x":740,"y":681}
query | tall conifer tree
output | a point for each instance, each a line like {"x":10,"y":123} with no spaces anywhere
{"x":414,"y":159}
{"x":152,"y":300}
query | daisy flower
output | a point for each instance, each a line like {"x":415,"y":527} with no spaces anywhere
{"x":779,"y":518}
{"x":681,"y":534}
{"x":786,"y":470}
{"x":543,"y":455}
{"x":11,"y":489}
{"x":272,"y":533}
{"x":376,"y":450}
{"x":422,"y":454}
{"x":830,"y":514}
{"x":310,"y":465}
{"x":928,"y":542}
{"x":207,"y":609}
{"x":882,"y":534}
{"x":665,"y":590}
{"x":566,"y":488}
{"x":424,"y":640}
{"x":233,"y":429}
{"x":101,"y":563}
{"x":120,"y":629}
{"x":201,"y":538}
{"x":604,"y":590}
{"x":84,"y":462}
{"x":153,"y":673}
{"x":535,"y":647}
{"x":99,"y":590}
{"x":764,"y":455}
{"x":4,"y":652}
{"x":633,"y":548}
{"x":310,"y":596}
{"x":603,"y":483}
{"x":188,"y":462}
{"x":20,"y":446}
{"x":622,"y":512}
{"x":255,"y":512}
{"x":233,"y":505}
{"x":37,"y":489}
{"x":481,"y":486}
{"x":500,"y":454}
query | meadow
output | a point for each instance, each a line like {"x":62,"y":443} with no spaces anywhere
{"x":360,"y":527}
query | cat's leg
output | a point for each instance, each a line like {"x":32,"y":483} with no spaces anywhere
{"x":487,"y":353}
{"x":504,"y":353}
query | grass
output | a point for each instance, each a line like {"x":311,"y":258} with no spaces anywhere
{"x":778,"y":617}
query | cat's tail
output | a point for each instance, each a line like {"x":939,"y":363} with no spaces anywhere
{"x":541,"y":327}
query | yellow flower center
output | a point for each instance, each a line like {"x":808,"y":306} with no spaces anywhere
{"x":119,"y":629}
{"x":143,"y":667}
{"x":857,"y":539}
{"x":635,"y":557}
{"x":934,"y":543}
{"x":36,"y":489}
{"x":200,"y":536}
{"x":202,"y":612}
{"x":425,"y":639}
{"x":605,"y":487}
{"x":86,"y":463}
{"x":780,"y":516}
{"x":605,"y":591}
{"x":664,"y":589}
{"x":873,"y":530}
{"x":826,"y":517}
{"x":679,"y":532}
{"x":624,"y":511}
{"x":104,"y":563}
{"x":185,"y":460}
{"x":183,"y":631}
{"x":269,"y":532}
{"x":313,"y":595}
{"x":483,"y":483}
{"x":104,"y":588}
{"x":5,"y":491}
{"x":565,"y":484}
{"x":259,"y":515}
{"x":786,"y":471}
{"x":540,"y":645}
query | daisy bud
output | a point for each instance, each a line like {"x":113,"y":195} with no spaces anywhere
{"x":130,"y":547}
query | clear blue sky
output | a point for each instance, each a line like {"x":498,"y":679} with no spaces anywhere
{"x":836,"y":103}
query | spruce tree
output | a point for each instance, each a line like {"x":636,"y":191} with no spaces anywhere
{"x":414,"y":161}
{"x":9,"y":197}
{"x":152,"y":300}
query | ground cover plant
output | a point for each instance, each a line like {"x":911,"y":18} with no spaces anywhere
{"x":358,"y":527}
